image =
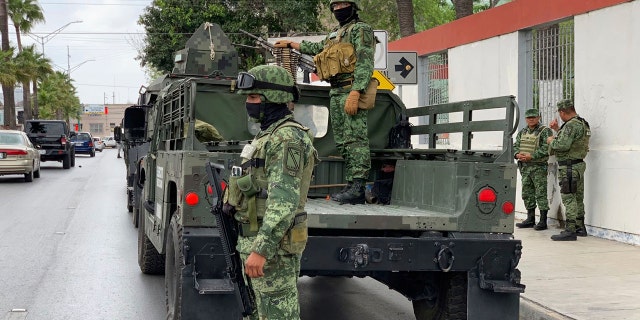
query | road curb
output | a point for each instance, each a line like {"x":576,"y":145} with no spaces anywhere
{"x":531,"y":310}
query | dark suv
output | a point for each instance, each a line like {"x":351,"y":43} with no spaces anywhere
{"x":52,"y":138}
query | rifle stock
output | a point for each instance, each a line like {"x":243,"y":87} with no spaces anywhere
{"x":228,"y":229}
{"x":305,"y":61}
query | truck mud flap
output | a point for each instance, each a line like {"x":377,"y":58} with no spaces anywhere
{"x":485,"y":304}
{"x":207,"y":289}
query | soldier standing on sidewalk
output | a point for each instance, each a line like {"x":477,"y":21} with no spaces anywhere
{"x":571,"y":146}
{"x":531,"y":151}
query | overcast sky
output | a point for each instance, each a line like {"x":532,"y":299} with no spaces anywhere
{"x":101,"y":49}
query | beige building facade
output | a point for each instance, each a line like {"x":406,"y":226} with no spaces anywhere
{"x":99,"y":123}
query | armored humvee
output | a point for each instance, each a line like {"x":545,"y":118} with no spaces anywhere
{"x":445,"y":240}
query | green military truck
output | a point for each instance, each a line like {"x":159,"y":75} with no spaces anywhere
{"x":445,"y":241}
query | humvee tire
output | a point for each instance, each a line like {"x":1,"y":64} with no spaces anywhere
{"x":174,"y":265}
{"x":149,"y":260}
{"x":451,"y":303}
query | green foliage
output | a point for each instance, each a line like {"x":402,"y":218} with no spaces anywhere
{"x":169,"y":23}
{"x":57,"y":97}
{"x":8,"y":68}
{"x":25,"y":13}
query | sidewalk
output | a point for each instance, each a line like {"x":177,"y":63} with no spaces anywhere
{"x":588,"y":279}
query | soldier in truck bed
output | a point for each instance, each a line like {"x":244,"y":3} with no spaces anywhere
{"x":275,"y":178}
{"x":351,"y":86}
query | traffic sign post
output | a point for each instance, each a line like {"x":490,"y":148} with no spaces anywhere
{"x":402,"y":67}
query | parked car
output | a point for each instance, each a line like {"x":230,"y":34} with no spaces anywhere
{"x":52,"y":138}
{"x":18,"y":155}
{"x":83,"y":143}
{"x":98,"y":144}
{"x":110,"y":142}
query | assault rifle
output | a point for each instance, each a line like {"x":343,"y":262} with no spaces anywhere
{"x":305,"y":62}
{"x":228,"y":229}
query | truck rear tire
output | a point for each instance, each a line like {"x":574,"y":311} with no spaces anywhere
{"x":451,"y":303}
{"x":66,"y":161}
{"x":149,"y":260}
{"x":174,"y":265}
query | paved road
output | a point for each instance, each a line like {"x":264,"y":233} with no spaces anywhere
{"x":68,"y":251}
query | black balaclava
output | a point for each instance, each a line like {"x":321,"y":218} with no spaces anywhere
{"x":267,"y":113}
{"x":345,"y":15}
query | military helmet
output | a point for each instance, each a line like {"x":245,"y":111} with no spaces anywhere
{"x":565,"y":104}
{"x":273,"y":82}
{"x":354,"y":3}
{"x":531,"y":113}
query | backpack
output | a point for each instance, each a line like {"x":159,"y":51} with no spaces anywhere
{"x":400,"y":134}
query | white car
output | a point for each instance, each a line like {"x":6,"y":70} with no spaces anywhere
{"x":98,"y":144}
{"x":110,"y":142}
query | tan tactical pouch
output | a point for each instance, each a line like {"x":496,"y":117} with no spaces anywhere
{"x":368,"y":99}
{"x":295,"y":239}
{"x":334,"y":59}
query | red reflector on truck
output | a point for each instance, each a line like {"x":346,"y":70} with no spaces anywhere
{"x":191,"y":199}
{"x":508,"y":207}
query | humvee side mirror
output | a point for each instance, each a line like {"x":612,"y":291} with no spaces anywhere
{"x":117,"y":133}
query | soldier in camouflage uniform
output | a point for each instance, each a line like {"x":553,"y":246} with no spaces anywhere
{"x":277,"y":168}
{"x":349,"y":122}
{"x":571,"y":146}
{"x":531,"y":151}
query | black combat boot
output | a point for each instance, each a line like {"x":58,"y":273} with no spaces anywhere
{"x":354,"y":195}
{"x":542,"y":224}
{"x":530,"y":221}
{"x":565,"y":235}
{"x":581,"y":231}
{"x":334,"y":196}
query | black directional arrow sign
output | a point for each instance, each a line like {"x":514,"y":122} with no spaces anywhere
{"x":404,"y":67}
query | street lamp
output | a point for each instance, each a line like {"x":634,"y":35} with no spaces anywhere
{"x":46,"y":38}
{"x":69,"y":69}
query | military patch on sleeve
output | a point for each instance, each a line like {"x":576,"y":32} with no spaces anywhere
{"x":293,"y":159}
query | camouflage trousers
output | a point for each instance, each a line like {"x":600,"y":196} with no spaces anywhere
{"x":277,"y":292}
{"x":350,"y":134}
{"x":534,"y":186}
{"x":574,"y":201}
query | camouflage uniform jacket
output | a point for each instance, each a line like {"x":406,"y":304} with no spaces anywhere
{"x":289,"y":157}
{"x":572,"y":142}
{"x":360,"y":35}
{"x":541,"y":152}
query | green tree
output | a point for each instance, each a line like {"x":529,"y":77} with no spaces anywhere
{"x":58,"y":97}
{"x":25,"y":14}
{"x":169,"y":23}
{"x":7,"y":87}
{"x":43,"y":70}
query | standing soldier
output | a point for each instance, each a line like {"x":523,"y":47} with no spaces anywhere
{"x":270,"y":190}
{"x":345,"y":59}
{"x":531,"y":151}
{"x":571,"y":146}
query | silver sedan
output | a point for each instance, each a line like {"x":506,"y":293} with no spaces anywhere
{"x":18,"y":155}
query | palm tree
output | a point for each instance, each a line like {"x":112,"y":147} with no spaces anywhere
{"x":43,"y":69}
{"x":405,"y":17}
{"x":7,"y":87}
{"x":26,"y":62}
{"x":25,"y":14}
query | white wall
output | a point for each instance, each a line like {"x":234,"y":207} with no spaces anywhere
{"x":607,"y":94}
{"x":607,"y":82}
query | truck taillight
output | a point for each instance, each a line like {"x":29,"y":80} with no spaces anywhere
{"x":486,"y":199}
{"x":191,"y":199}
{"x":63,"y":140}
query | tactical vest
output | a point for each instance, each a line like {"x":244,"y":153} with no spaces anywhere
{"x":530,"y":141}
{"x":248,"y":193}
{"x":338,"y":55}
{"x":580,"y":147}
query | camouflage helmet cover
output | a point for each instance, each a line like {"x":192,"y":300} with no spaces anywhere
{"x":565,"y":104}
{"x":531,"y":113}
{"x":275,"y":75}
{"x":354,"y":3}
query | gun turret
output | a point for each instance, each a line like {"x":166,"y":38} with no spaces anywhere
{"x":208,"y":52}
{"x":286,"y":58}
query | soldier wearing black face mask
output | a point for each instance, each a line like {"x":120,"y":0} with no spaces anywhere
{"x":345,"y":59}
